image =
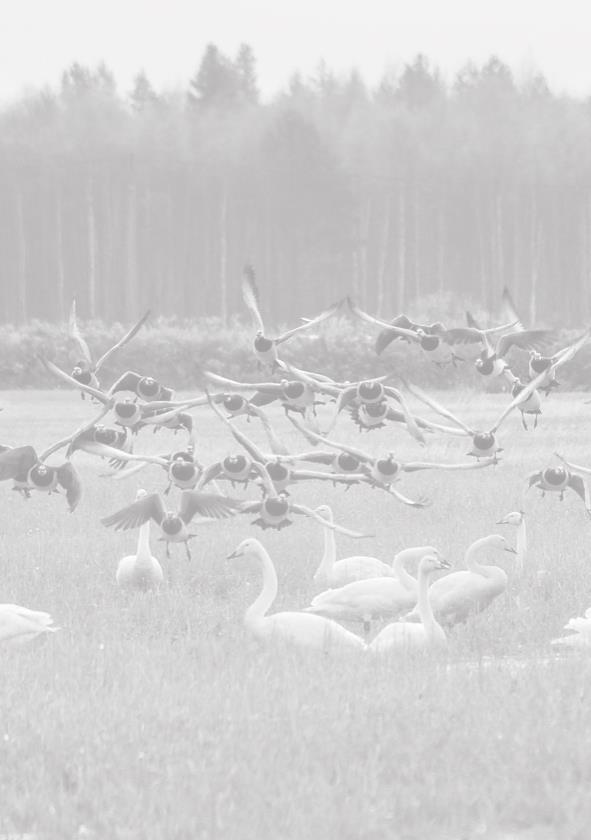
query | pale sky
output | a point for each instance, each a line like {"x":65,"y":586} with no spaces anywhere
{"x":166,"y":38}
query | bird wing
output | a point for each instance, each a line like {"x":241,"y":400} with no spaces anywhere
{"x":250,"y":295}
{"x":397,"y":331}
{"x":65,"y":377}
{"x":357,"y":453}
{"x":242,"y":439}
{"x":122,"y":341}
{"x":534,"y":479}
{"x":413,"y":466}
{"x":510,"y":309}
{"x":418,"y":503}
{"x":213,"y":505}
{"x":75,"y":334}
{"x":575,"y":467}
{"x":70,"y":481}
{"x":210,"y":474}
{"x":310,"y":512}
{"x":71,"y":439}
{"x":311,"y":457}
{"x":568,"y":353}
{"x":577,"y":483}
{"x":277,"y":446}
{"x":524,"y":340}
{"x":126,"y":382}
{"x":318,"y":319}
{"x":137,"y":513}
{"x":471,"y":321}
{"x":303,"y":429}
{"x":17,"y":461}
{"x":436,"y":406}
{"x":260,"y":398}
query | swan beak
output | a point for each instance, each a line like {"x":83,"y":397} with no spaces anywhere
{"x":444,"y":563}
{"x":501,"y":522}
{"x":234,"y":554}
{"x":510,"y":550}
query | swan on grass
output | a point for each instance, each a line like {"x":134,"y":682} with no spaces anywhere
{"x":309,"y":631}
{"x":140,"y":571}
{"x":582,"y":632}
{"x":363,"y":600}
{"x":517,"y":519}
{"x":409,"y":637}
{"x":334,"y":573}
{"x":459,"y":595}
{"x":19,"y":624}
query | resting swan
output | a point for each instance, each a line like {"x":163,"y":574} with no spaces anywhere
{"x":334,"y":573}
{"x":410,"y":637}
{"x":310,"y":631}
{"x":19,"y":624}
{"x":457,"y":596}
{"x":141,"y":570}
{"x":363,"y":600}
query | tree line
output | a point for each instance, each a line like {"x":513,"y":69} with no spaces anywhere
{"x":411,"y":191}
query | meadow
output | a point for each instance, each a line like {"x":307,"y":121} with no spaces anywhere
{"x":155,"y":716}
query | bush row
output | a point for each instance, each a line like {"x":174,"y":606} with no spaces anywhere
{"x":174,"y":352}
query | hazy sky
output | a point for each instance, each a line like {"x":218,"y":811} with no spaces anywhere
{"x":39,"y":38}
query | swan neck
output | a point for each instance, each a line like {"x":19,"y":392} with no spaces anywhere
{"x":143,"y":544}
{"x":424,"y":603}
{"x":521,"y":543}
{"x":405,"y":578}
{"x":258,"y":609}
{"x":470,"y":557}
{"x":330,"y":550}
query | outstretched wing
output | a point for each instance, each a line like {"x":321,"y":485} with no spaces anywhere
{"x":250,"y":295}
{"x":122,"y":341}
{"x":253,"y":450}
{"x":207,"y":504}
{"x":126,"y":382}
{"x":16,"y":462}
{"x":334,"y":527}
{"x":525,"y":340}
{"x":397,"y":331}
{"x":510,"y":309}
{"x":70,"y":481}
{"x":436,"y":406}
{"x":577,"y":483}
{"x":134,"y":515}
{"x":534,"y":479}
{"x":318,"y":319}
{"x":76,"y":335}
{"x":61,"y":374}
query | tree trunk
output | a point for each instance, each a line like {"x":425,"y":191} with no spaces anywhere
{"x":383,"y":256}
{"x":224,"y":253}
{"x":535,"y":243}
{"x":131,"y":285}
{"x":22,"y":305}
{"x":401,"y":249}
{"x":59,"y":244}
{"x":91,"y":227}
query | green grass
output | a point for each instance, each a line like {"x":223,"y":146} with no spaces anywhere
{"x":158,"y":717}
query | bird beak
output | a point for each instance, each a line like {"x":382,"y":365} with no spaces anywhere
{"x":444,"y":564}
{"x":510,"y":550}
{"x":234,"y":554}
{"x":501,"y":522}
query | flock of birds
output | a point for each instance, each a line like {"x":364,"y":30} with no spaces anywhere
{"x":355,"y":589}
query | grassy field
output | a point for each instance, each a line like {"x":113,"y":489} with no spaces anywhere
{"x":157,"y":717}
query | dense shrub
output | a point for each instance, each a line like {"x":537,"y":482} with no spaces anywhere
{"x":174,"y":351}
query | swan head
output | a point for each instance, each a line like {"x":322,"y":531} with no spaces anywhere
{"x":497,"y":541}
{"x":516,"y":517}
{"x":246,"y":547}
{"x":407,"y":555}
{"x":324,"y":511}
{"x":431,"y":563}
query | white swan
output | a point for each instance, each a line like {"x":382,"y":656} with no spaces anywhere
{"x":334,"y":573}
{"x":461,"y":594}
{"x":363,"y":600}
{"x":517,"y":518}
{"x":141,"y":570}
{"x":582,"y":635}
{"x":410,"y":637}
{"x":311,"y":631}
{"x":19,"y":624}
